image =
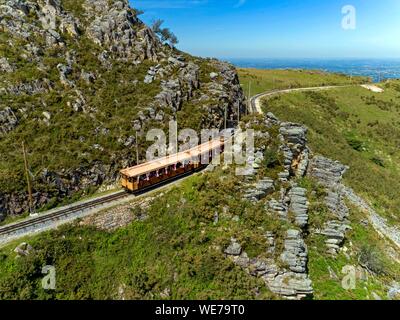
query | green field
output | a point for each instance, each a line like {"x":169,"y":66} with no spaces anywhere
{"x":257,"y":81}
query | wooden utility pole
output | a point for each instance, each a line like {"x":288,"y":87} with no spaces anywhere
{"x":28,"y":178}
{"x":137,"y":149}
{"x":249,"y":99}
{"x":225,"y":116}
{"x":177,"y":131}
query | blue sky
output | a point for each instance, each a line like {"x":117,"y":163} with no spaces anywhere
{"x":279,"y":29}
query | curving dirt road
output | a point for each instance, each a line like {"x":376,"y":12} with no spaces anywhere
{"x":255,"y":101}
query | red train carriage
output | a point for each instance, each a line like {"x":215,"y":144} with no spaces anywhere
{"x":160,"y":170}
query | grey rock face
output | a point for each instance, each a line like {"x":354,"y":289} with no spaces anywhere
{"x":326,"y":171}
{"x":8,"y":120}
{"x":294,"y":133}
{"x":286,"y":283}
{"x":291,"y":285}
{"x":303,"y":162}
{"x":278,"y":208}
{"x":23,"y":249}
{"x":213,"y":75}
{"x":234,"y":248}
{"x":114,"y":28}
{"x":5,"y":66}
{"x":171,"y":95}
{"x":295,"y":252}
{"x":394,"y":291}
{"x":272,"y":118}
{"x":335,"y":203}
{"x":299,"y":206}
{"x":260,"y":190}
{"x":330,"y":173}
{"x":65,"y":71}
{"x":29,"y":88}
{"x":88,"y":77}
{"x":335,"y":232}
{"x":177,"y":62}
{"x":295,"y":152}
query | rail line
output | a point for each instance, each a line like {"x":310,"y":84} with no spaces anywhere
{"x":58,"y":216}
{"x":14,"y":229}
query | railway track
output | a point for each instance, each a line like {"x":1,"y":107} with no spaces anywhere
{"x":56,"y":217}
{"x":42,"y":222}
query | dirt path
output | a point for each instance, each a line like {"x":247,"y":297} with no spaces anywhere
{"x":255,"y":101}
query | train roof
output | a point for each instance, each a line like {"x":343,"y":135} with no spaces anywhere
{"x":164,"y":162}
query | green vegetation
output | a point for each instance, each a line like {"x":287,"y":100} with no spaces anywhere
{"x":345,"y":126}
{"x":166,"y":36}
{"x":365,"y":248}
{"x":259,"y":81}
{"x":95,"y":133}
{"x":178,"y":247}
{"x":360,"y":129}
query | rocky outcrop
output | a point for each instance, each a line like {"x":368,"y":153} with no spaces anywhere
{"x":59,"y":185}
{"x":290,"y":281}
{"x":259,"y":190}
{"x":329,"y":174}
{"x":28,"y":88}
{"x":114,"y":28}
{"x":293,"y":139}
{"x":8,"y":120}
{"x":299,"y":206}
{"x":67,"y":53}
{"x":5,"y":66}
{"x":24,"y":249}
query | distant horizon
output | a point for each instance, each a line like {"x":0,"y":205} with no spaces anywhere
{"x":375,"y":68}
{"x":306,"y":58}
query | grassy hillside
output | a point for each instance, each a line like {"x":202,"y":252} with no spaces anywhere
{"x":259,"y":81}
{"x":360,"y":129}
{"x":83,"y":91}
{"x":178,"y":251}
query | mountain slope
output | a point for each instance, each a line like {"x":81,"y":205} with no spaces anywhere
{"x":79,"y":79}
{"x":285,"y":232}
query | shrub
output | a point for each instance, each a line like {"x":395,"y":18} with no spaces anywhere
{"x":370,"y":258}
{"x":356,"y":144}
{"x":378,"y":161}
